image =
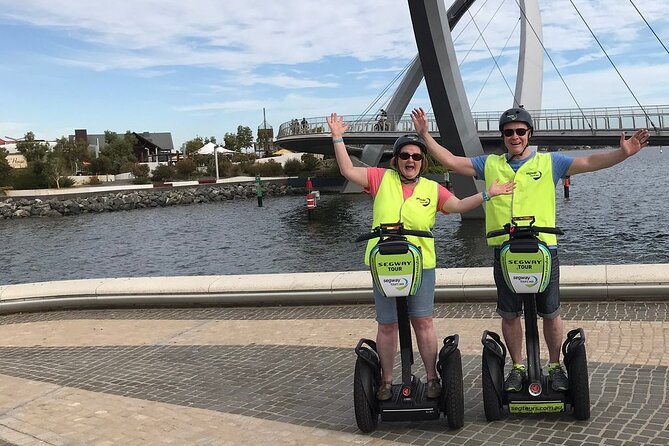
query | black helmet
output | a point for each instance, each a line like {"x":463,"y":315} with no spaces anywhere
{"x":516,"y":114}
{"x":409,"y":139}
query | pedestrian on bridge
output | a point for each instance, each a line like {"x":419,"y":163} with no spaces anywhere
{"x":402,"y":195}
{"x":536,"y":176}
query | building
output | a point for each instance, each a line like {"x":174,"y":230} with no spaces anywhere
{"x":149,"y":147}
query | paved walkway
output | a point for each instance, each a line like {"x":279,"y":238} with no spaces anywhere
{"x":283,"y":375}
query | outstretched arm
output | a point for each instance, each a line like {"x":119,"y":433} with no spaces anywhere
{"x":597,"y":161}
{"x":454,"y":204}
{"x":458,"y":164}
{"x":338,"y":127}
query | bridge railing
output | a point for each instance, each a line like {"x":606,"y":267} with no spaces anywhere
{"x":655,"y":117}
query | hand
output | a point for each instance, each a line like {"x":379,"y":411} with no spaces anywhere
{"x":501,"y":189}
{"x":419,"y":118}
{"x":337,"y":125}
{"x":637,"y":142}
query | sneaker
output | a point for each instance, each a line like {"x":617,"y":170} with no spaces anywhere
{"x":433,"y":388}
{"x":514,"y":382}
{"x":385,"y":391}
{"x":559,"y":380}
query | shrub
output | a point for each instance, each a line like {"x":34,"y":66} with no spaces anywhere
{"x":140,"y":171}
{"x":22,"y":179}
{"x":141,"y":180}
{"x":94,"y":180}
{"x":127,"y":166}
{"x":163,"y":172}
{"x":185,"y":168}
{"x":269,"y":169}
{"x":65,"y":182}
{"x":310,"y":161}
{"x":293,"y":167}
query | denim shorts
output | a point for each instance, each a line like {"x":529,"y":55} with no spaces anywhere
{"x":420,"y":305}
{"x":510,"y":304}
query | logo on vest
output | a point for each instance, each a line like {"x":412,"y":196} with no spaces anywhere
{"x":424,"y":201}
{"x":534,"y":174}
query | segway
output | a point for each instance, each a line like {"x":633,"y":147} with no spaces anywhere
{"x":397,"y":270}
{"x":526,"y":266}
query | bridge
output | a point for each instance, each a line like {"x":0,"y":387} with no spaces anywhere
{"x":554,"y":128}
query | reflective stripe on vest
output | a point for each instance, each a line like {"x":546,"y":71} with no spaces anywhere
{"x":417,"y":212}
{"x":534,"y":195}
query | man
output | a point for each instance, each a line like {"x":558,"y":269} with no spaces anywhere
{"x":536,"y":176}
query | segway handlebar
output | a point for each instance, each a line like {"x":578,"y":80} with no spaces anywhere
{"x":513,"y":229}
{"x":392,"y":231}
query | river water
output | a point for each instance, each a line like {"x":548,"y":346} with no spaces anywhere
{"x":614,"y":216}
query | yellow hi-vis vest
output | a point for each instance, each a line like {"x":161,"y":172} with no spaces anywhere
{"x":534,"y":195}
{"x":417,"y":212}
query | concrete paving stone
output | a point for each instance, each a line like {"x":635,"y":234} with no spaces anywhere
{"x":177,"y":390}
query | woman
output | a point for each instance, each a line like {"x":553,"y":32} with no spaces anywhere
{"x":401,"y":194}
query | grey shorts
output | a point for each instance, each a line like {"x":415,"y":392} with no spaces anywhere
{"x":420,"y":305}
{"x":510,"y":304}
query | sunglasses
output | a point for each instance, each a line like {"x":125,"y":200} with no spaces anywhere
{"x":415,"y":156}
{"x":520,"y":132}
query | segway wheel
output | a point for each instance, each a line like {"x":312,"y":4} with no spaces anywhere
{"x":491,"y":404}
{"x":453,"y":391}
{"x":366,"y":415}
{"x":579,"y":385}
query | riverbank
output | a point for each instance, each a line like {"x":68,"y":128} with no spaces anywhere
{"x":577,"y":283}
{"x":62,"y":202}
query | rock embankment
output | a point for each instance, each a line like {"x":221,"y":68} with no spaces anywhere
{"x":137,"y":199}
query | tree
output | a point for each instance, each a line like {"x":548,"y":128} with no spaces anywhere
{"x":73,"y":152}
{"x":30,"y":149}
{"x":244,"y":137}
{"x":230,"y":141}
{"x":239,"y":141}
{"x":191,"y":147}
{"x":5,"y":168}
{"x":55,"y":166}
{"x":119,"y":149}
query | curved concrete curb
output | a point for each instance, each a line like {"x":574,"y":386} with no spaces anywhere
{"x":601,"y":282}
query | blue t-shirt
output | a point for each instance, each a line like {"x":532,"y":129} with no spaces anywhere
{"x":561,"y":164}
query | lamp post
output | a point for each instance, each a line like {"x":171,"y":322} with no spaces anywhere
{"x":216,"y":161}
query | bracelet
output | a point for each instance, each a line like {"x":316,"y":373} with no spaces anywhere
{"x":336,"y":140}
{"x":485,"y":195}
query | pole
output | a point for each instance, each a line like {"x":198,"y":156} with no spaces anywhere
{"x":216,"y":161}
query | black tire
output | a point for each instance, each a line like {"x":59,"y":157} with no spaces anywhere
{"x":366,"y":415}
{"x":579,"y":385}
{"x":453,"y":391}
{"x":491,"y":404}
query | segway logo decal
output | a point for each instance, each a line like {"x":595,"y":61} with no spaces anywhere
{"x":534,"y":174}
{"x":529,"y":407}
{"x":399,"y":283}
{"x":424,"y":201}
{"x":527,"y":280}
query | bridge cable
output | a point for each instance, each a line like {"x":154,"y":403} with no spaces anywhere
{"x":380,"y":95}
{"x":494,"y":60}
{"x":466,"y":25}
{"x":471,"y":19}
{"x":480,"y":36}
{"x":614,"y":67}
{"x":493,"y":68}
{"x":522,"y":11}
{"x":650,"y":27}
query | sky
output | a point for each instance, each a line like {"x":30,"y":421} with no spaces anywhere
{"x":204,"y":67}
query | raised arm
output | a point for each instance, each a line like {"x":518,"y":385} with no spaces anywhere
{"x":338,"y":127}
{"x":597,"y":161}
{"x":458,"y":164}
{"x":455,"y":205}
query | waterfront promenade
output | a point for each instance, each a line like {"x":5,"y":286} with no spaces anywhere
{"x":271,"y":360}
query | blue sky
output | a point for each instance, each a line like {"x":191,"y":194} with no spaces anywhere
{"x":203,"y":67}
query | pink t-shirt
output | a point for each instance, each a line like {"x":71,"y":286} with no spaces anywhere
{"x":375,"y":175}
